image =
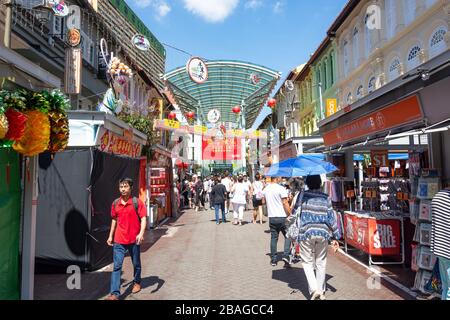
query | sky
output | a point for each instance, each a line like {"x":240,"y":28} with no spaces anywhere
{"x":279,"y":35}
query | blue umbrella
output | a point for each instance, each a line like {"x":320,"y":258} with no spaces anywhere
{"x":300,"y":167}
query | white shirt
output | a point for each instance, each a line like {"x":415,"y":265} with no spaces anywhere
{"x":240,"y":192}
{"x":257,"y":188}
{"x":249,"y":184}
{"x":226,"y":182}
{"x":274,"y":193}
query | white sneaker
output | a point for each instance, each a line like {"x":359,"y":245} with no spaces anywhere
{"x":322,"y":296}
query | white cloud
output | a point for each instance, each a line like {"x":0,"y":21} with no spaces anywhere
{"x":143,"y":3}
{"x":253,"y":4}
{"x":211,"y":10}
{"x":278,"y":7}
{"x":163,"y":9}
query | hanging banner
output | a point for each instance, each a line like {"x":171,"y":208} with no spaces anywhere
{"x":221,"y":149}
{"x":171,"y":125}
{"x":197,"y":70}
{"x":72,"y":79}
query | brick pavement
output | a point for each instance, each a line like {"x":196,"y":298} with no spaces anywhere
{"x":196,"y":259}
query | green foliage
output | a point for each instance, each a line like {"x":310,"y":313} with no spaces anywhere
{"x":57,"y":100}
{"x":38,"y":101}
{"x":13,"y":99}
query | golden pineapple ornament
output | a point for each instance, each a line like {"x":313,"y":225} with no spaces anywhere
{"x":3,"y":125}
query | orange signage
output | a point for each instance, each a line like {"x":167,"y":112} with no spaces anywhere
{"x":405,"y":111}
{"x":331,"y":107}
{"x":380,"y":158}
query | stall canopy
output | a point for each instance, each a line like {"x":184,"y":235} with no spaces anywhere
{"x":229,"y":83}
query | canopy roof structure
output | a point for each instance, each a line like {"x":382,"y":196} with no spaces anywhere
{"x":229,"y":84}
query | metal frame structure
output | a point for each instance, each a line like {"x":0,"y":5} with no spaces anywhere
{"x":228,"y":85}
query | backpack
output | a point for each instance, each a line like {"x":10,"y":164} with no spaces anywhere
{"x":135,"y":205}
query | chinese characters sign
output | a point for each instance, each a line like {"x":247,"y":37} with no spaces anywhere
{"x":197,"y":70}
{"x":112,"y":143}
{"x":221,"y":149}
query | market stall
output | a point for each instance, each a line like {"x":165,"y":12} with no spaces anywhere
{"x":84,"y":179}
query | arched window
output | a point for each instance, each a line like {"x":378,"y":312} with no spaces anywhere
{"x":331,"y":68}
{"x":371,"y":85}
{"x":368,"y":37}
{"x":409,"y":9}
{"x":346,"y":57}
{"x":437,"y":43}
{"x":391,"y":18}
{"x":413,"y":57}
{"x":355,"y":47}
{"x":394,"y":69}
{"x":359,"y":92}
{"x":349,"y":99}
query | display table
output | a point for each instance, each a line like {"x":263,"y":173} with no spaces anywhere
{"x":377,"y":234}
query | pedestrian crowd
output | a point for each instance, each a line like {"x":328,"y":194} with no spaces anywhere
{"x":295,"y":207}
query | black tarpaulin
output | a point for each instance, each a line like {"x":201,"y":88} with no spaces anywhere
{"x":63,"y":210}
{"x":106,"y":172}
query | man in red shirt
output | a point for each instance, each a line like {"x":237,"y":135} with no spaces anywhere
{"x":127,"y":233}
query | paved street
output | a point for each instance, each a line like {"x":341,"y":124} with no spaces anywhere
{"x":192,"y":258}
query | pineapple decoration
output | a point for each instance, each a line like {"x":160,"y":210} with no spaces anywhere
{"x":59,"y":122}
{"x":4,"y":126}
{"x":37,"y":130}
{"x":14,"y":103}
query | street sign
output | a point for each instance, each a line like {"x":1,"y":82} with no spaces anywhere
{"x":331,"y":107}
{"x":197,"y":70}
{"x":213,"y":116}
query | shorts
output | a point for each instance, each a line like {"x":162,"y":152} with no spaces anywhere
{"x":256,"y":202}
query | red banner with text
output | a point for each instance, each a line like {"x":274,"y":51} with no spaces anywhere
{"x":375,"y":237}
{"x":221,"y":149}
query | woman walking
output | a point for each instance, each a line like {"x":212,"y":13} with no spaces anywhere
{"x":239,"y":191}
{"x":318,"y":226}
{"x":257,"y":198}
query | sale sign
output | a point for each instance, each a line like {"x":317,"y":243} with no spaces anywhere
{"x":221,"y":149}
{"x":378,"y":237}
{"x":379,"y":158}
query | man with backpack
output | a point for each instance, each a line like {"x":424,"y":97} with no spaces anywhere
{"x":129,"y":218}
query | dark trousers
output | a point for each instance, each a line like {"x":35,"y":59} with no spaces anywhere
{"x":220,"y":206}
{"x":119,"y":251}
{"x":278,"y":225}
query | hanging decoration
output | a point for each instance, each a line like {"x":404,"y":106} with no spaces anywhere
{"x":190,"y":114}
{"x":197,"y":70}
{"x":141,"y":42}
{"x":12,"y":102}
{"x":59,"y":121}
{"x":236,"y":109}
{"x":172,"y":115}
{"x":272,"y":103}
{"x":17,"y":122}
{"x":4,"y":126}
{"x":37,"y":130}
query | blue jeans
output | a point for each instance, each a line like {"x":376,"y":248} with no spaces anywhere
{"x":444,"y":271}
{"x":278,"y":225}
{"x":119,"y":251}
{"x":220,"y":206}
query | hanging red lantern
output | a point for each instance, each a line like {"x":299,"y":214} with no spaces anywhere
{"x":190,"y":114}
{"x":272,"y":103}
{"x":236,"y":109}
{"x":172,"y":115}
{"x":179,"y":164}
{"x":185,"y":165}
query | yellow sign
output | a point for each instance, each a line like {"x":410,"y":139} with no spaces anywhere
{"x":172,"y":124}
{"x":200,"y":129}
{"x":331,"y":107}
{"x":237,"y":133}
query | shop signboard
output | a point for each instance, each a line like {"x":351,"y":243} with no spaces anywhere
{"x":110,"y":142}
{"x":221,"y":149}
{"x":197,"y":70}
{"x":392,"y":116}
{"x":72,"y":79}
{"x":331,"y":107}
{"x":378,"y":237}
{"x":379,"y":158}
{"x":282,"y":132}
